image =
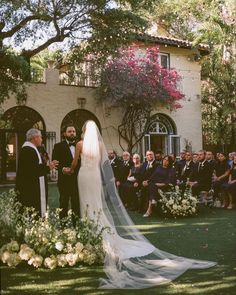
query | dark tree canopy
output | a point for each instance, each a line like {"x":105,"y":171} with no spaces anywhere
{"x":34,"y":25}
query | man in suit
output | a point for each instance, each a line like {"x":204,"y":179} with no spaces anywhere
{"x":146,"y":171}
{"x":201,"y":176}
{"x":123,"y":172}
{"x":184,"y":171}
{"x":115,"y":163}
{"x":64,"y":152}
{"x":31,"y":173}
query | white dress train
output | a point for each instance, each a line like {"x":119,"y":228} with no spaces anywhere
{"x":131,"y":261}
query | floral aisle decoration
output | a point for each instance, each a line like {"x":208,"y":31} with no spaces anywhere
{"x":178,"y":203}
{"x":47,"y":242}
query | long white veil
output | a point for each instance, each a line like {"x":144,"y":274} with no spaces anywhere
{"x":131,"y":261}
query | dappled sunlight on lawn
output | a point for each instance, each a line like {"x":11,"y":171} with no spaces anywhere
{"x":211,"y":235}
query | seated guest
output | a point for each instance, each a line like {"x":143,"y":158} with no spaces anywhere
{"x":180,"y":163}
{"x":115,"y":162}
{"x":221,"y":175}
{"x":175,"y":163}
{"x":159,"y":157}
{"x":162,"y":178}
{"x":230,"y":186}
{"x":185,"y":171}
{"x":195,"y":157}
{"x":210,"y":159}
{"x":201,"y":176}
{"x":130,"y":187}
{"x":146,"y":171}
{"x":123,"y":172}
{"x":182,"y":158}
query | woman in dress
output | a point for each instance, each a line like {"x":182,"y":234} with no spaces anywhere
{"x":131,"y":261}
{"x":230,"y":186}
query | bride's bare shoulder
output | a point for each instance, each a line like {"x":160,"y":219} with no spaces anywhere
{"x":79,"y":144}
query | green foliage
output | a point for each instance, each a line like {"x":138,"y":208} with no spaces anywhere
{"x":91,"y":26}
{"x":10,"y":227}
{"x":211,"y":22}
{"x":48,"y":240}
{"x":14,"y":71}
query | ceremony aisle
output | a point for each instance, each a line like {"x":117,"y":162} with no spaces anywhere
{"x":211,"y":235}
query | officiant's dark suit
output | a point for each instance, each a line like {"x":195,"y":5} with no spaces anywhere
{"x":27,"y":178}
{"x":29,"y":171}
{"x":67,"y":184}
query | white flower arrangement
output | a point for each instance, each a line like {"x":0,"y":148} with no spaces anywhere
{"x":49,"y":242}
{"x":177,"y":203}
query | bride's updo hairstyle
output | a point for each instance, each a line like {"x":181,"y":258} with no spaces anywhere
{"x":90,"y":136}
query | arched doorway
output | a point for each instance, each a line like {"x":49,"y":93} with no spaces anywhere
{"x":15,"y":122}
{"x":161,"y":134}
{"x":78,"y":118}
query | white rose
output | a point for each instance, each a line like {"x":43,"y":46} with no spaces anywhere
{"x":5,"y":256}
{"x":13,"y":246}
{"x":193,"y":210}
{"x":79,"y":247}
{"x":59,"y":246}
{"x":13,"y":259}
{"x":175,"y":206}
{"x":72,"y":258}
{"x":171,"y":202}
{"x":50,"y":262}
{"x":26,"y":252}
{"x":61,"y":260}
{"x":36,"y":261}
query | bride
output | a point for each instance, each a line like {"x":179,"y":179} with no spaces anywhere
{"x":131,"y":261}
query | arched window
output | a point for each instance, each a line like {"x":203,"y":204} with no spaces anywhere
{"x":161,"y":135}
{"x":14,"y":124}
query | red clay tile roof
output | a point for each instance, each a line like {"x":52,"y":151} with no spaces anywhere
{"x":203,"y":48}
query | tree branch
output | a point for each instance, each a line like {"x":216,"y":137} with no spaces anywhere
{"x":21,"y":24}
{"x":58,"y":38}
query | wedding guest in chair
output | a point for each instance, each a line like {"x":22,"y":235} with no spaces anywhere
{"x":146,"y":171}
{"x":131,"y":187}
{"x":230,"y":187}
{"x":220,"y":177}
{"x":201,"y":176}
{"x":163,"y":178}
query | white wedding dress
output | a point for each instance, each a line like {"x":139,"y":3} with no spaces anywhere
{"x":131,"y":261}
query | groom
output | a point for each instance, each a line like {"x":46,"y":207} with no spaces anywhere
{"x":64,"y":152}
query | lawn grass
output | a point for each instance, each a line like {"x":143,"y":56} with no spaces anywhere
{"x":210,"y":236}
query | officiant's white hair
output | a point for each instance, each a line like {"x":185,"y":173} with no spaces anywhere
{"x":31,"y":133}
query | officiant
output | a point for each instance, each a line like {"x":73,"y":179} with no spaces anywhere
{"x":31,"y":173}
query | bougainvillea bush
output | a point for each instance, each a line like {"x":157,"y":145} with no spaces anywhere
{"x":137,"y":83}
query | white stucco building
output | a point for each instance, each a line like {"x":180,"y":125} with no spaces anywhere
{"x":51,"y":104}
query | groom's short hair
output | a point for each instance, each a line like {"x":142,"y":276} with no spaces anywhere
{"x":67,"y":126}
{"x":31,"y":133}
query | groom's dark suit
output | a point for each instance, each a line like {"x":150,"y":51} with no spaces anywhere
{"x":67,"y":184}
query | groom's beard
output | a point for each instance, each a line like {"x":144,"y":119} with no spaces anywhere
{"x":70,"y":138}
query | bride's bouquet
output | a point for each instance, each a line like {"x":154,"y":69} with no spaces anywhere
{"x":178,"y":203}
{"x":47,"y":241}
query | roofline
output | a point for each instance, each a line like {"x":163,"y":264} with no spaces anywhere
{"x":204,"y":49}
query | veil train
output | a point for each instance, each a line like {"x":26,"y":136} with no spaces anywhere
{"x":131,"y":261}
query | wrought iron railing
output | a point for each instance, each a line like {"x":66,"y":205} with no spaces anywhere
{"x":78,"y":79}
